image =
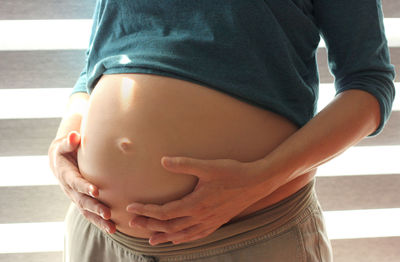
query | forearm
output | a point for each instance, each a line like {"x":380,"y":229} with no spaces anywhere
{"x":350,"y":117}
{"x":76,"y":108}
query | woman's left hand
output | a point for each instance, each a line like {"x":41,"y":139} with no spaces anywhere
{"x":224,"y":189}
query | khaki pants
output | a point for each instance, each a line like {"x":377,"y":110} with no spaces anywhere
{"x":290,"y":231}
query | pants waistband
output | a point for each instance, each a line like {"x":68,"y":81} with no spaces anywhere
{"x":283,"y":214}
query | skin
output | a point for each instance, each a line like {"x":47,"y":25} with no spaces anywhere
{"x":353,"y":115}
{"x":179,"y":125}
{"x":221,"y":192}
{"x":62,"y":155}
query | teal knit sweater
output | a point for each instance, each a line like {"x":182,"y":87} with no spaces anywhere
{"x":260,"y":51}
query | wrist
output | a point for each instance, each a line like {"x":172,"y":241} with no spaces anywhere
{"x":264,"y":178}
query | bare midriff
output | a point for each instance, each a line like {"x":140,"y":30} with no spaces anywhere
{"x":133,"y":120}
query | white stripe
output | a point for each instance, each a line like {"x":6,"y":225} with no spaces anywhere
{"x":31,"y":237}
{"x":49,"y":236}
{"x":74,"y":34}
{"x":33,"y":102}
{"x":44,"y":34}
{"x":392,"y":31}
{"x":26,"y":171}
{"x":367,"y":223}
{"x":365,"y":160}
{"x":51,"y":102}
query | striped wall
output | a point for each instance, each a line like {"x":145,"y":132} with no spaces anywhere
{"x":41,"y":54}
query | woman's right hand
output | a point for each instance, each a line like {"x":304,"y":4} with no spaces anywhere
{"x":63,"y":162}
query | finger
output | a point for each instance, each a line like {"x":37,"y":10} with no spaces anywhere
{"x":69,"y":144}
{"x":91,"y":205}
{"x":81,"y":185}
{"x":106,"y":225}
{"x":170,"y":210}
{"x":170,"y":226}
{"x":74,"y":138}
{"x":69,"y":176}
{"x":187,"y":165}
{"x":150,"y":210}
{"x":194,"y":232}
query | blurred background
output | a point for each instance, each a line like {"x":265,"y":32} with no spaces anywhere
{"x":42,"y":48}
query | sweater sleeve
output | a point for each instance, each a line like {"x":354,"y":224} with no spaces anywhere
{"x":81,"y":83}
{"x":358,"y":54}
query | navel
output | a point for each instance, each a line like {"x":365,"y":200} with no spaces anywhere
{"x":124,"y":144}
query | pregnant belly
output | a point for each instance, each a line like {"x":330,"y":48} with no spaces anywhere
{"x":135,"y":119}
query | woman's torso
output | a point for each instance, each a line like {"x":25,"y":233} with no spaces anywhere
{"x":135,"y":119}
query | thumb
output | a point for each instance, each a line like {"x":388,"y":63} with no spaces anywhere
{"x":74,"y":138}
{"x":70,"y":143}
{"x":187,"y":165}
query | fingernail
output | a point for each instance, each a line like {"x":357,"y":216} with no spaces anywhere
{"x":91,"y":190}
{"x":102,"y":214}
{"x":167,"y":161}
{"x":107,"y":228}
{"x":153,"y":243}
{"x":130,"y":208}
